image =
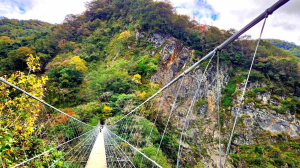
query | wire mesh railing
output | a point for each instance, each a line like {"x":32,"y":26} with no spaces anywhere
{"x":120,"y":153}
{"x":36,"y":134}
{"x":184,"y":128}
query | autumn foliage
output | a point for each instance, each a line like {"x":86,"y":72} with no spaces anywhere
{"x":19,"y":114}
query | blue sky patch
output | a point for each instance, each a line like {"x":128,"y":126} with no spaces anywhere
{"x":214,"y":17}
{"x":211,"y":12}
{"x":22,"y":10}
{"x":201,"y":9}
{"x":19,"y":6}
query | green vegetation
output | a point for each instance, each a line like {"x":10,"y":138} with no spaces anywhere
{"x":151,"y":152}
{"x":228,"y":91}
{"x":93,"y":110}
{"x":253,"y":92}
{"x":289,"y":103}
{"x":98,"y":68}
{"x":268,"y":155}
{"x":291,"y":47}
{"x":200,"y":102}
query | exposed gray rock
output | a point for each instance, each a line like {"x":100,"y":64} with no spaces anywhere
{"x":171,"y":47}
{"x":273,"y":102}
{"x":270,"y":120}
{"x":202,"y":110}
{"x":295,"y":131}
{"x":158,"y":39}
{"x":256,"y":122}
{"x":279,"y":127}
{"x":248,"y":121}
{"x":250,"y":85}
{"x":264,"y":97}
{"x":243,"y":138}
{"x":297,"y":151}
{"x":263,"y":120}
{"x":140,"y":35}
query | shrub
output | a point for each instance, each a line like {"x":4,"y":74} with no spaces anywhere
{"x":69,"y":77}
{"x":93,"y":111}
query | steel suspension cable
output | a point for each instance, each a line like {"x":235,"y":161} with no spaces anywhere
{"x":244,"y":90}
{"x":135,"y":149}
{"x":116,"y":155}
{"x":171,"y":111}
{"x":136,"y":122}
{"x":110,"y":156}
{"x":218,"y":102}
{"x":154,"y":122}
{"x":119,"y":148}
{"x":1,"y":162}
{"x":145,"y":117}
{"x":30,"y":95}
{"x":88,"y":147}
{"x":48,"y":150}
{"x":88,"y":138}
{"x":76,"y":153}
{"x":191,"y":109}
{"x":75,"y":147}
{"x":132,"y":125}
{"x":235,"y":36}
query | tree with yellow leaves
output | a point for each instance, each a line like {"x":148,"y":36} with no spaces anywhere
{"x":140,"y":94}
{"x":106,"y":112}
{"x":137,"y":79}
{"x":19,"y":113}
{"x":4,"y":40}
{"x":33,"y":63}
{"x":124,"y":35}
{"x":79,"y":64}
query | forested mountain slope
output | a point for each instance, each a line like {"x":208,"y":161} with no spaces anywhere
{"x":19,"y":38}
{"x":291,"y":47}
{"x":103,"y":63}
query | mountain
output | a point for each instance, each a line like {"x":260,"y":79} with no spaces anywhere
{"x":105,"y":62}
{"x":291,"y":47}
{"x":19,"y":38}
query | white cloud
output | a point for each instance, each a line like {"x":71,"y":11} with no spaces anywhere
{"x":282,"y":24}
{"x":52,"y":11}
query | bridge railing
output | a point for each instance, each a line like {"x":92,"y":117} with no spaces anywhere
{"x":121,"y":153}
{"x":36,"y":134}
{"x":174,"y":107}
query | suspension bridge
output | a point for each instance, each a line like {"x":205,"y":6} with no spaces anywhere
{"x":120,"y":143}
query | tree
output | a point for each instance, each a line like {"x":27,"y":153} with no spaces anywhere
{"x":17,"y":58}
{"x":106,"y":112}
{"x":137,"y":79}
{"x":91,"y":109}
{"x":79,"y":64}
{"x":124,"y":35}
{"x":4,"y":40}
{"x":19,"y":113}
{"x":70,"y":77}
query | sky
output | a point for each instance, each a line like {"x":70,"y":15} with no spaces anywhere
{"x":283,"y":24}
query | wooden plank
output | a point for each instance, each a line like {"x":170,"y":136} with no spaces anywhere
{"x":97,"y":157}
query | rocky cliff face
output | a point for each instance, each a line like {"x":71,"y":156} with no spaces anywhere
{"x":254,"y":122}
{"x":266,"y":118}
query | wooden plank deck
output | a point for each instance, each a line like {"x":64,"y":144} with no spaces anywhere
{"x":97,"y":157}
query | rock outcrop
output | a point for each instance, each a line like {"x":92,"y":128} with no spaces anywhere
{"x":202,"y":122}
